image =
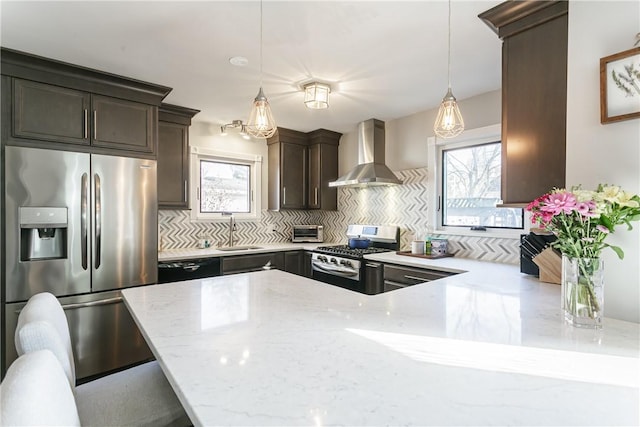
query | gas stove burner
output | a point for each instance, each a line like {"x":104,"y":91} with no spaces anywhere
{"x":345,"y":250}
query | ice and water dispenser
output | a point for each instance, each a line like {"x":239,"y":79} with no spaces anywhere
{"x":43,"y":233}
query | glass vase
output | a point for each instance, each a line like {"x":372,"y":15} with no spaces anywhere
{"x":583,"y":291}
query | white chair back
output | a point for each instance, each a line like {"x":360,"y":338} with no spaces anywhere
{"x":35,"y":392}
{"x":42,"y":324}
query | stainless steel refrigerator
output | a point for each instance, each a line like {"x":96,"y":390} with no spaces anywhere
{"x":81,"y":226}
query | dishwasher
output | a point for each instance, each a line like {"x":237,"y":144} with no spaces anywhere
{"x":177,"y":271}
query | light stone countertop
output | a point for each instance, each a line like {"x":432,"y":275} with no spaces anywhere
{"x":486,"y":347}
{"x":194,"y":253}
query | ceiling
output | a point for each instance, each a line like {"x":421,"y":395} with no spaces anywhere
{"x":384,"y":59}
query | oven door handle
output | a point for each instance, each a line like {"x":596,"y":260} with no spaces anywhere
{"x":338,"y":271}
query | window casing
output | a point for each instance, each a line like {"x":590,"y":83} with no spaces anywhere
{"x":467,"y":175}
{"x":225,"y":183}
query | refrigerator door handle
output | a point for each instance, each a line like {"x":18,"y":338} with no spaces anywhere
{"x":84,"y":190}
{"x":105,"y":301}
{"x":98,"y":220}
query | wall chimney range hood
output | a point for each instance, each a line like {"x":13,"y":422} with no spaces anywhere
{"x":371,"y":169}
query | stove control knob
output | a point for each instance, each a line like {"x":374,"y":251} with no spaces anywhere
{"x":334,"y":261}
{"x":345,"y":262}
{"x":322,"y":258}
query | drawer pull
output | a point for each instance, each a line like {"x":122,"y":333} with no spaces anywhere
{"x":422,"y":279}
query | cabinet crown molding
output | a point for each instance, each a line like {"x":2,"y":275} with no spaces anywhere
{"x":176,"y":114}
{"x":318,"y":136}
{"x":27,"y":66}
{"x":512,"y":17}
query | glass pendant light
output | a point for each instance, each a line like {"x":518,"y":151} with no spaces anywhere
{"x":449,"y":121}
{"x":261,"y":123}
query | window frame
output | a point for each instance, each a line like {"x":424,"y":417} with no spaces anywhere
{"x":255,"y":182}
{"x":436,"y":146}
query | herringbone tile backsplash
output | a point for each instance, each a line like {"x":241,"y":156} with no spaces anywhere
{"x":404,"y":205}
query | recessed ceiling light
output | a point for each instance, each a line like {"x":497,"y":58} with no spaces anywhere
{"x":238,"y":61}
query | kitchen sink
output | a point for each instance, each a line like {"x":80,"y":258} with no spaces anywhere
{"x":238,"y":248}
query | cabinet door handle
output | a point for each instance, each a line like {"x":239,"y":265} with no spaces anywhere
{"x":86,"y":124}
{"x":284,"y":195}
{"x":185,"y":191}
{"x":422,"y":279}
{"x":95,"y":125}
{"x":316,"y":196}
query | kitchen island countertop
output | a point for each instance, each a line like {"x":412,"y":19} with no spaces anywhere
{"x":484,"y":347}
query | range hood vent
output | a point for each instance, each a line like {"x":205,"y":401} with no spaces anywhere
{"x":371,"y":169}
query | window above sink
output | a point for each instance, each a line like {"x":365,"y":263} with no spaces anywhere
{"x":225,"y":183}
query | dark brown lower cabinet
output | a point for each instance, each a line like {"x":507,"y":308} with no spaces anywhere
{"x":293,"y":262}
{"x":289,"y":261}
{"x":373,"y":277}
{"x":398,"y":277}
{"x":306,"y":265}
{"x":253,"y":262}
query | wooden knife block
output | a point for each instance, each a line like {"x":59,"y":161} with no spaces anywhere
{"x":549,"y":263}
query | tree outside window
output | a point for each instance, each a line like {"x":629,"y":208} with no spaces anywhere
{"x":471,"y":188}
{"x":224,"y":187}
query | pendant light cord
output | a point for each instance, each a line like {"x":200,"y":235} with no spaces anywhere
{"x":449,"y":50}
{"x":260,"y":43}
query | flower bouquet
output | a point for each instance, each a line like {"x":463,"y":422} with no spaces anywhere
{"x":581,"y":221}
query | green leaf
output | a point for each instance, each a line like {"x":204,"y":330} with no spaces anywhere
{"x":606,"y":222}
{"x":617,"y":250}
{"x":629,"y":226}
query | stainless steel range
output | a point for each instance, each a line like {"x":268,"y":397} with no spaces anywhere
{"x":345,"y":267}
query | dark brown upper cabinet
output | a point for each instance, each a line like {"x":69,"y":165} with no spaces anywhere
{"x":323,"y":169}
{"x":301,"y":165}
{"x":173,"y":156}
{"x":122,"y":124}
{"x":287,"y":154}
{"x":45,"y":112}
{"x":534,"y":96}
{"x":52,"y":104}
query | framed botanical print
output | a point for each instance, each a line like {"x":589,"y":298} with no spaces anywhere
{"x":620,"y":86}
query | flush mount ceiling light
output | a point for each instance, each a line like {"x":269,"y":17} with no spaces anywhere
{"x":235,"y":124}
{"x":261,"y":123}
{"x":316,"y":95}
{"x":449,"y":121}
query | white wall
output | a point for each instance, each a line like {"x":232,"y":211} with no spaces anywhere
{"x":406,"y":137}
{"x":608,"y":153}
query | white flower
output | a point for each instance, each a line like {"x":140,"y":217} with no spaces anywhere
{"x":584,"y":195}
{"x":624,"y":199}
{"x":609,"y":193}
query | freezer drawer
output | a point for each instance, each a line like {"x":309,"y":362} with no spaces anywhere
{"x":104,"y":336}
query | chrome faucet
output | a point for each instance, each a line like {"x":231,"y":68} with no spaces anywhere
{"x":232,"y":227}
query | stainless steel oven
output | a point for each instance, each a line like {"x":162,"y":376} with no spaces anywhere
{"x":346,"y":267}
{"x":337,"y":271}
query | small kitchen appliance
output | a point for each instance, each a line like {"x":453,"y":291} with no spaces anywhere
{"x":307,"y":233}
{"x":344,"y":266}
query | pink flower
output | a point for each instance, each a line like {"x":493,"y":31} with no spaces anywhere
{"x":601,"y":228}
{"x":586,"y":208}
{"x":547,"y":216}
{"x":557,"y":203}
